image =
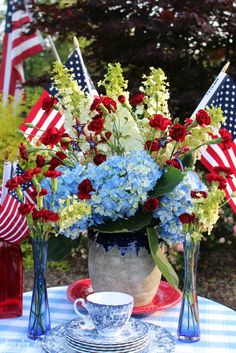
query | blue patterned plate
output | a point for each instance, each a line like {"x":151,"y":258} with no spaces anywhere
{"x":82,"y":331}
{"x":107,"y":347}
{"x":125,"y":348}
{"x":160,"y":341}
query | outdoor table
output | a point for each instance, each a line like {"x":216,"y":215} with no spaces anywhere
{"x":218,"y":325}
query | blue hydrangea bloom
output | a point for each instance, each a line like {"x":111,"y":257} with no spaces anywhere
{"x":173,"y":204}
{"x":121,"y":184}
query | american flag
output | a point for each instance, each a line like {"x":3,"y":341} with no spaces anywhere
{"x":54,"y":118}
{"x":222,"y":94}
{"x":27,"y":188}
{"x":19,"y":43}
{"x":13,"y":225}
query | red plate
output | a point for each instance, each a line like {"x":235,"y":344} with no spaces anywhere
{"x":165,"y":298}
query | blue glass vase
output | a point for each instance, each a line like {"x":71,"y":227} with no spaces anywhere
{"x":39,"y":320}
{"x":188,"y":326}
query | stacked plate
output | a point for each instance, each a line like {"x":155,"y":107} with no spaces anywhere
{"x":82,"y":337}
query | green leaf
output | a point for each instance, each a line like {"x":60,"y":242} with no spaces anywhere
{"x":60,"y":247}
{"x":169,"y":180}
{"x":131,"y":224}
{"x":160,"y":259}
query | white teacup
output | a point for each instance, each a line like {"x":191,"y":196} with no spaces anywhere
{"x":109,"y":311}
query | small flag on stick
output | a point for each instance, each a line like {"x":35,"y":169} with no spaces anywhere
{"x":42,"y":119}
{"x":222,"y":94}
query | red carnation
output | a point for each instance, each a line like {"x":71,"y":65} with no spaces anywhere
{"x":198,"y":194}
{"x":99,"y":158}
{"x":45,"y":215}
{"x":65,"y":144}
{"x":51,"y":136}
{"x":188,"y":122}
{"x":174,"y":163}
{"x":96,"y":125}
{"x":40,"y":161}
{"x":85,"y":187}
{"x":137,"y":99}
{"x":226,"y":138}
{"x":152,"y":146}
{"x":178,"y":132}
{"x":37,"y":170}
{"x":121,"y":99}
{"x":217,"y":178}
{"x":203,"y":118}
{"x":28,"y":175}
{"x":43,"y":192}
{"x":57,"y":160}
{"x":23,"y":152}
{"x":186,"y":218}
{"x":52,"y":174}
{"x":227,"y":171}
{"x":108,"y":135}
{"x":48,"y":216}
{"x":12,"y":184}
{"x":26,"y":209}
{"x":48,"y":103}
{"x":110,"y":104}
{"x":151,"y":204}
{"x":159,"y":122}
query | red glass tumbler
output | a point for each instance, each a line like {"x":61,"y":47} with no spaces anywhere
{"x":10,"y":280}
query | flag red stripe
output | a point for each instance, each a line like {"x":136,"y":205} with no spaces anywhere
{"x":3,"y":64}
{"x":13,"y":225}
{"x":21,"y":22}
{"x":26,"y":54}
{"x":23,"y":38}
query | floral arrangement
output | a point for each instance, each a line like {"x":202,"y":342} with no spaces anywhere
{"x":123,"y":163}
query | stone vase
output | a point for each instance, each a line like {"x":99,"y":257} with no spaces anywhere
{"x":122,"y":262}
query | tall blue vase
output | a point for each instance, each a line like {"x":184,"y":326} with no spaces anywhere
{"x":189,"y":327}
{"x":39,"y":320}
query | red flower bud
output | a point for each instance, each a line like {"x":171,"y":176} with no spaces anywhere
{"x":85,"y":187}
{"x":40,"y":161}
{"x":52,"y":174}
{"x":226,"y":138}
{"x":99,"y":158}
{"x":137,"y":99}
{"x":151,"y":204}
{"x":121,"y":99}
{"x":152,"y":146}
{"x":198,"y":194}
{"x":174,"y":163}
{"x":23,"y":152}
{"x":186,"y":218}
{"x":43,"y":192}
{"x":26,"y":209}
{"x":48,"y":103}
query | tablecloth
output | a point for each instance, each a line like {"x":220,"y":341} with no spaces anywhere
{"x":218,"y":325}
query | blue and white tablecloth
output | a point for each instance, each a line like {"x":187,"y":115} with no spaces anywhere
{"x":218,"y":326}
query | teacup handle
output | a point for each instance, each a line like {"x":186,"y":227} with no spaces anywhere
{"x":82,"y":301}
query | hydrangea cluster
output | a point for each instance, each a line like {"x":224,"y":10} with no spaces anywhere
{"x":72,"y":211}
{"x":175,"y":203}
{"x":121,"y":184}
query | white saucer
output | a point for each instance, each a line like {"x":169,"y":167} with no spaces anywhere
{"x":160,"y":341}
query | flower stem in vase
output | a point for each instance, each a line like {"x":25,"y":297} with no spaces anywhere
{"x":39,"y":320}
{"x":188,"y":327}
